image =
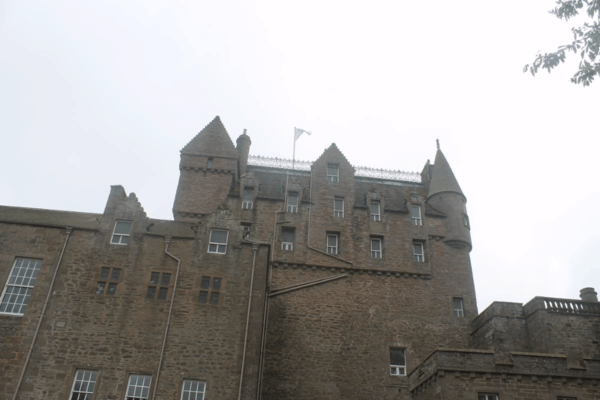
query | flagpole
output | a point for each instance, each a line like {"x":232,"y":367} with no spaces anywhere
{"x":294,"y":155}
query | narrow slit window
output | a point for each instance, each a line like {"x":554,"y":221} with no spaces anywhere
{"x":248,"y":198}
{"x":287,"y":239}
{"x":84,"y":384}
{"x":415,"y":211}
{"x":375,"y":211}
{"x":332,"y":243}
{"x":458,"y":307}
{"x":418,"y":252}
{"x":209,"y":163}
{"x":193,"y":390}
{"x":18,"y":289}
{"x":465,"y":215}
{"x":376,"y":250}
{"x":292,"y":202}
{"x":338,"y":207}
{"x":121,"y":232}
{"x":333,"y":173}
{"x":487,"y":396}
{"x":397,"y":362}
{"x":138,"y":387}
{"x":218,"y":241}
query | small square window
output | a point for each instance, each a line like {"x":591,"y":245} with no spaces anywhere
{"x":415,"y":212}
{"x":218,"y":241}
{"x":338,"y":207}
{"x":203,"y":297}
{"x":210,"y":294}
{"x":121,"y":232}
{"x":287,"y":239}
{"x":209,"y":163}
{"x":193,"y":390}
{"x":458,"y":307}
{"x":487,"y":396}
{"x":333,"y":173}
{"x":332,"y":243}
{"x":292,"y":202}
{"x":397,"y":362}
{"x":216,"y":283}
{"x":105,"y":282}
{"x":18,"y":288}
{"x":248,"y":198}
{"x":375,"y":211}
{"x":418,"y":252}
{"x":214,"y":298}
{"x":205,"y":283}
{"x":376,"y":250}
{"x":138,"y":387}
{"x":84,"y":384}
{"x":112,"y":289}
{"x":159,"y":283}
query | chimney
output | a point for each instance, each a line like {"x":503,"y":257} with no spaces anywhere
{"x":243,"y":148}
{"x":588,"y":294}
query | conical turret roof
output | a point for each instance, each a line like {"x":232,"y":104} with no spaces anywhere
{"x":213,"y":140}
{"x":442,"y":179}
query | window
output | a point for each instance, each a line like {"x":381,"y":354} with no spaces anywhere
{"x":192,"y":390}
{"x":138,"y":387}
{"x":415,"y":212}
{"x":209,"y":163}
{"x":292,"y":202}
{"x":487,"y":396}
{"x":218,"y":241}
{"x":458,"y":307}
{"x":121,"y":232}
{"x":566,"y":398}
{"x":375,"y":211}
{"x":209,"y":293}
{"x":158,"y":283}
{"x":107,"y":284}
{"x":338,"y":207}
{"x":397,"y":362}
{"x":287,"y":239}
{"x":247,"y":199}
{"x":332,"y":243}
{"x":465,"y":216}
{"x":333,"y":173}
{"x":376,"y":248}
{"x":418,"y":252}
{"x":246,"y":227}
{"x":17,"y":290}
{"x":83,"y":385}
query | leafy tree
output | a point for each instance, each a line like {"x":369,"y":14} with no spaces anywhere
{"x":585,"y":39}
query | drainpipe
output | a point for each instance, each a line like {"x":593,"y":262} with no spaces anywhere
{"x":69,"y":230}
{"x":164,"y":343}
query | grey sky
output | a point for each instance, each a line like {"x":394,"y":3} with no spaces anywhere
{"x":100,"y":93}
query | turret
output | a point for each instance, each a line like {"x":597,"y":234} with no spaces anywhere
{"x":243,"y":148}
{"x":446,"y":196}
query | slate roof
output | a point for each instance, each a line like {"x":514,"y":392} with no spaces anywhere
{"x":60,"y":219}
{"x":442,"y":179}
{"x":213,"y":140}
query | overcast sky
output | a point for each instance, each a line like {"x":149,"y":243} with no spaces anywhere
{"x":97,"y":93}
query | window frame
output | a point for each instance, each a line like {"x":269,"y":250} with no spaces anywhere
{"x":287,"y":246}
{"x":380,"y":251}
{"x":336,"y":177}
{"x":337,"y":212}
{"x":292,"y":208}
{"x":248,"y":204}
{"x":418,"y":257}
{"x":458,"y":312}
{"x":210,"y":290}
{"x":121,"y":240}
{"x":159,"y":286}
{"x":417,"y":221}
{"x":336,"y":248}
{"x":149,"y":387}
{"x":79,"y":392}
{"x":23,"y":296}
{"x":397,"y":369}
{"x":210,"y":242}
{"x":488,"y":396}
{"x":375,"y":217}
{"x":108,"y":282}
{"x":195,"y":393}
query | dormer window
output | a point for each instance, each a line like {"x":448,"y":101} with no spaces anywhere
{"x":415,"y":213}
{"x":375,"y":211}
{"x":333,"y":173}
{"x":121,"y":232}
{"x":292,"y":202}
{"x":248,"y":198}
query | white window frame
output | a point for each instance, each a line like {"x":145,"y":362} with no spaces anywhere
{"x":193,"y":393}
{"x":247,"y":204}
{"x":292,"y":208}
{"x":133,"y":386}
{"x":376,"y":217}
{"x":487,"y":396}
{"x":288,"y":246}
{"x":459,"y":307}
{"x":331,"y":177}
{"x":336,"y":211}
{"x":419,"y":256}
{"x":219,"y":246}
{"x":18,"y":288}
{"x":376,"y":253}
{"x":417,"y":220}
{"x":398,"y":369}
{"x":121,"y":238}
{"x":465,"y":215}
{"x":335,"y":248}
{"x":87,"y":380}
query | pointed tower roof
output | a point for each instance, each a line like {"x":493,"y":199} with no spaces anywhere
{"x":443,"y":179}
{"x":213,"y":140}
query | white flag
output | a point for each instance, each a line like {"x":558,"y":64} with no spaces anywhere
{"x":298,"y":132}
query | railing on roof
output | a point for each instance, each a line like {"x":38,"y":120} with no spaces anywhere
{"x":282,"y":163}
{"x":562,"y":306}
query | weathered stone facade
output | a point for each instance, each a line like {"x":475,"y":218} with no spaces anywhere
{"x":220,"y":297}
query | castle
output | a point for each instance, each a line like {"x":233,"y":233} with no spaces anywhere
{"x":276,"y":280}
